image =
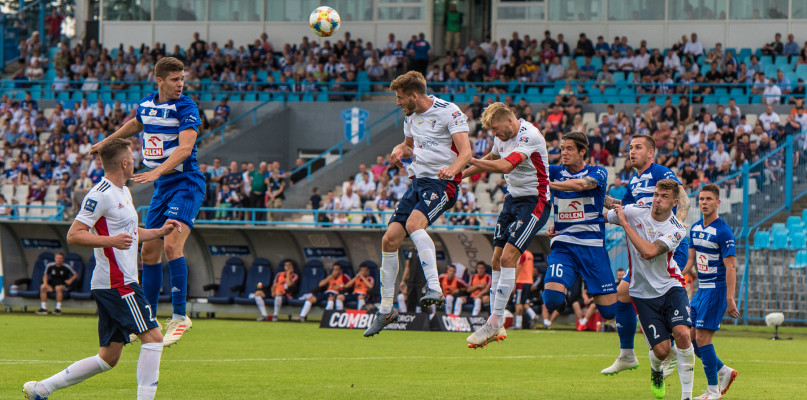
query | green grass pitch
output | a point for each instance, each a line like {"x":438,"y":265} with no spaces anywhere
{"x":237,"y":359}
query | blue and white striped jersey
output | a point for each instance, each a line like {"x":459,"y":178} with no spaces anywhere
{"x":162,"y":123}
{"x":712,"y":244}
{"x":578,"y":215}
{"x":642,"y":186}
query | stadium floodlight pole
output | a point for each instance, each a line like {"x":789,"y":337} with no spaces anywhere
{"x":746,"y":170}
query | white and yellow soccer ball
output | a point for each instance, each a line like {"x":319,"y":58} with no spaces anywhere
{"x":324,"y":21}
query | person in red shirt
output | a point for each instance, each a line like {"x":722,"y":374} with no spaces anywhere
{"x":477,"y":290}
{"x":333,"y":285}
{"x":524,"y":282}
{"x":283,"y":287}
{"x":362,"y":284}
{"x":451,"y":285}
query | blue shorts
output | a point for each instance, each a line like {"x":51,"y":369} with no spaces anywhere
{"x":681,"y":256}
{"x":521,"y":293}
{"x":708,"y":307}
{"x":122,"y":311}
{"x":659,"y":315}
{"x":568,"y":261}
{"x":322,"y":296}
{"x":520,"y":219}
{"x":432,"y":197}
{"x":177,"y":196}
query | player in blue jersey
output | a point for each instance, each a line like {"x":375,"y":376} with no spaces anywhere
{"x":169,"y":122}
{"x":519,"y":151}
{"x":712,"y":260}
{"x":578,"y":233}
{"x":640,"y":191}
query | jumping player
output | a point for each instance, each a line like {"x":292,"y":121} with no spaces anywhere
{"x":656,"y":284}
{"x":640,"y":191}
{"x":169,"y":122}
{"x":712,"y":253}
{"x":578,"y":235}
{"x":436,"y":134}
{"x":107,"y":222}
{"x":519,"y":152}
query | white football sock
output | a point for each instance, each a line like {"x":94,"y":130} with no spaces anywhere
{"x":75,"y":373}
{"x":724,"y":370}
{"x":148,"y":370}
{"x":43,"y":305}
{"x":458,"y":306}
{"x":401,"y":303}
{"x":686,"y":370}
{"x":261,"y":305}
{"x":519,"y":320}
{"x":432,"y":309}
{"x":583,"y":321}
{"x":329,"y":305}
{"x":306,"y":309}
{"x":547,"y":322}
{"x":655,"y":363}
{"x":531,"y":313}
{"x":340,"y":305}
{"x":503,"y":291}
{"x":626,"y":353}
{"x":428,"y":257}
{"x":494,"y":284}
{"x":58,"y":305}
{"x":177,"y":317}
{"x":278,"y":304}
{"x":449,"y":304}
{"x":389,"y":273}
{"x":477,"y":307}
{"x":360,"y":304}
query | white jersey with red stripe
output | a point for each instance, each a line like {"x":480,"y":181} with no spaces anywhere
{"x":109,"y":211}
{"x":431,"y":132}
{"x":531,"y":176}
{"x":654,"y":277}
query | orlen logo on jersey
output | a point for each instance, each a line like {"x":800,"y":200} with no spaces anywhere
{"x":703,"y":263}
{"x":153,"y":147}
{"x":353,"y":319}
{"x":578,"y":212}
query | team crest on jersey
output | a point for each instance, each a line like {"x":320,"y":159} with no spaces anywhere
{"x":152,"y":112}
{"x":456,"y":114}
{"x":523,"y":139}
{"x":419,"y":121}
{"x":90,"y":204}
{"x":433,"y":122}
{"x":677,"y":236}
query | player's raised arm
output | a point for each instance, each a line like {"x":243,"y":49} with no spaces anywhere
{"x":473,"y":170}
{"x":463,"y":146}
{"x":403,"y":150}
{"x":129,"y":129}
{"x":80,"y":235}
{"x":610,"y":202}
{"x":575,"y":185}
{"x":500,"y":165}
{"x":146,"y":235}
{"x":683,"y":204}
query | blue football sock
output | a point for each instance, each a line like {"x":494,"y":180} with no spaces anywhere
{"x":625,"y":324}
{"x":709,"y":358}
{"x":720,"y":364}
{"x":179,"y":284}
{"x":696,"y":348}
{"x":607,"y":312}
{"x":152,"y":282}
{"x":553,"y":299}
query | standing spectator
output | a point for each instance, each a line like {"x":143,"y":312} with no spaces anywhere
{"x":421,"y":53}
{"x":349,"y":200}
{"x":466,"y":198}
{"x":222,"y":113}
{"x":54,"y":23}
{"x":274,"y":196}
{"x":774,"y":171}
{"x":453,"y":27}
{"x":618,"y":189}
{"x":257,"y":196}
{"x":217,"y":173}
{"x":57,"y":278}
{"x":64,"y":196}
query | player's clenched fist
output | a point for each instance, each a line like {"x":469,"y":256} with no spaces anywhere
{"x":121,"y":241}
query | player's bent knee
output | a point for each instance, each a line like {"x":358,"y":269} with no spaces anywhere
{"x":152,"y":335}
{"x":361,"y":297}
{"x":341,"y":297}
{"x":607,"y":312}
{"x":553,"y":299}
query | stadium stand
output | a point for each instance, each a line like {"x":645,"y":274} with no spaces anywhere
{"x":231,"y":282}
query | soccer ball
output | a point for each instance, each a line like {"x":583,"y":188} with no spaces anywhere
{"x":324,"y":21}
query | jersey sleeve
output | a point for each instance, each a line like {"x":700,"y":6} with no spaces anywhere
{"x":188,"y":116}
{"x":407,"y":128}
{"x":530,"y":142}
{"x":628,"y":198}
{"x":666,"y":173}
{"x":455,"y":120}
{"x":599,"y":174}
{"x":554,"y":170}
{"x":611,"y":217}
{"x":495,"y":149}
{"x":725,"y":239}
{"x":674,"y":238}
{"x":92,"y":208}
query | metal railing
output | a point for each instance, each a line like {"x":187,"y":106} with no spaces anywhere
{"x":34,"y":212}
{"x":221,"y":129}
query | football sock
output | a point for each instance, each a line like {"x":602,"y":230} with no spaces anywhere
{"x":340,"y":305}
{"x":389,"y":272}
{"x":261,"y":305}
{"x":696,"y":348}
{"x":152,"y":280}
{"x":627,"y":353}
{"x":507,"y":281}
{"x":709,"y":358}
{"x":477,"y":307}
{"x":450,"y":304}
{"x":458,"y":306}
{"x":360,"y":304}
{"x":148,"y":370}
{"x":494,"y":284}
{"x":723,"y":369}
{"x":179,"y":284}
{"x":583,"y":321}
{"x":553,"y":299}
{"x":306,"y":309}
{"x":531,"y":313}
{"x":58,"y":305}
{"x":329,"y":305}
{"x":43,"y":305}
{"x":428,"y":257}
{"x":686,"y":370}
{"x":655,"y":363}
{"x":278,"y":304}
{"x":75,"y":373}
{"x":720,"y":364}
{"x":625,"y":324}
{"x":607,"y":312}
{"x":519,"y":320}
{"x":402,"y":303}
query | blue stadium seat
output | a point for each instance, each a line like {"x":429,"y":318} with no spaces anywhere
{"x":794,"y":222}
{"x":313,"y":272}
{"x":83,"y":293}
{"x":801,"y":260}
{"x":744,"y":52}
{"x":77,"y":264}
{"x":347,"y":268}
{"x":35,"y":281}
{"x":797,"y":240}
{"x":762,"y":240}
{"x":801,"y":70}
{"x":778,"y":227}
{"x":779,"y":240}
{"x":260,"y":271}
{"x":232,"y":279}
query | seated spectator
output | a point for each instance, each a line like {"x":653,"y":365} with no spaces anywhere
{"x":774,"y":48}
{"x":452,"y":285}
{"x":774,"y":171}
{"x":477,"y":291}
{"x":618,"y":189}
{"x":57,"y":278}
{"x":226,"y":198}
{"x":222,"y":113}
{"x":361,"y":284}
{"x":37,"y":193}
{"x":331,"y":287}
{"x":600,"y":156}
{"x":282,"y":289}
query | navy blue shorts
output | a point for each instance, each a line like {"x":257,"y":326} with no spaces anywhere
{"x":354,"y":296}
{"x":708,"y":307}
{"x":177,"y":196}
{"x":432,"y":197}
{"x":521,"y":218}
{"x":323,"y":296}
{"x":568,"y":261}
{"x":681,"y":256}
{"x":122,"y":311}
{"x":521,"y":293}
{"x":658,"y":316}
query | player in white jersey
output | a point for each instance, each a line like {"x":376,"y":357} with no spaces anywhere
{"x":656,"y":284}
{"x":436,"y":134}
{"x":519,"y":152}
{"x":107,"y":222}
